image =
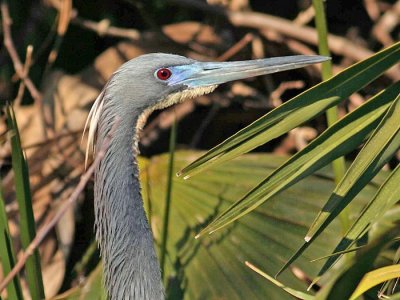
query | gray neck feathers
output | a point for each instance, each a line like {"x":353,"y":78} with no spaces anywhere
{"x":130,"y":263}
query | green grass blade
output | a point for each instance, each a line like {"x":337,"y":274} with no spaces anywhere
{"x":374,"y":278}
{"x":338,"y":165}
{"x":380,"y":147}
{"x":344,"y":281}
{"x":387,"y":196}
{"x":23,"y":195}
{"x":323,"y":48}
{"x":389,"y":286}
{"x":338,"y":253}
{"x":298,"y":110}
{"x":7,"y":255}
{"x":336,"y":141}
{"x":290,"y":291}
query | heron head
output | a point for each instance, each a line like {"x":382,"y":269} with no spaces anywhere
{"x":158,"y":80}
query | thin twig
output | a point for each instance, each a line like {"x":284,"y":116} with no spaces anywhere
{"x":282,"y":88}
{"x":386,"y":24}
{"x":265,"y":23}
{"x":27,"y":65}
{"x":9,"y":44}
{"x":372,"y":8}
{"x":305,"y":16}
{"x":19,"y":68}
{"x":236,"y":48}
{"x":103,"y":28}
{"x":42,"y":233}
{"x":53,"y":139}
{"x":307,"y":34}
{"x":64,"y":17}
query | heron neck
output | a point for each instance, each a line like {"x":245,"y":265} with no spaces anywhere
{"x":130,"y":263}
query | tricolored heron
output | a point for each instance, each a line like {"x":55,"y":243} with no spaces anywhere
{"x":138,"y":87}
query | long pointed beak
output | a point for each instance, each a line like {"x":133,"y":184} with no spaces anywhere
{"x":201,"y":74}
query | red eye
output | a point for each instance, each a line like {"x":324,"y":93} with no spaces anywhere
{"x":163,"y":74}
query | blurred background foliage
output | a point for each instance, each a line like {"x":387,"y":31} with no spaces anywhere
{"x":76,"y":47}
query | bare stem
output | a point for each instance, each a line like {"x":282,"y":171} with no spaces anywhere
{"x":27,"y":65}
{"x":339,"y":166}
{"x":19,"y":68}
{"x":9,"y":44}
{"x":103,"y":28}
{"x":236,"y":48}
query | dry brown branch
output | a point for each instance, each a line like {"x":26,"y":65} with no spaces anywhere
{"x":27,"y":65}
{"x":338,"y":45}
{"x":103,"y":28}
{"x":264,"y":22}
{"x":372,"y":8}
{"x":282,"y":88}
{"x":53,"y":139}
{"x":42,"y":233}
{"x":9,"y":44}
{"x":257,"y":47}
{"x":236,"y":48}
{"x":389,"y":20}
{"x":64,"y":10}
{"x":301,"y":48}
{"x":19,"y":68}
{"x":305,"y":16}
{"x":65,"y":16}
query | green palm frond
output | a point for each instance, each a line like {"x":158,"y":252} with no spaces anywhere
{"x":213,"y":267}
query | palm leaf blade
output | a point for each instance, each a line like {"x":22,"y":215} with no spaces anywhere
{"x":298,"y":110}
{"x":387,"y":196}
{"x":336,"y":141}
{"x":213,"y":267}
{"x":380,"y":147}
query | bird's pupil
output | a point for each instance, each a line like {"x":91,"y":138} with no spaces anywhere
{"x":163,"y":74}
